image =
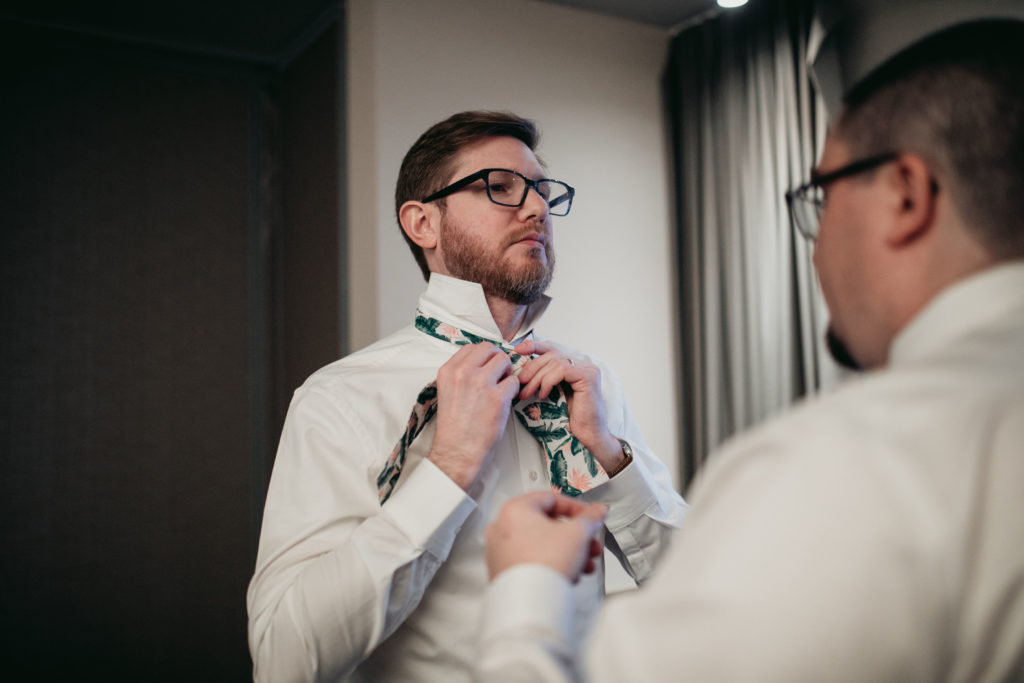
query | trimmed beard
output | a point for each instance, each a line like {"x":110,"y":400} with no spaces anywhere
{"x":467,"y":258}
{"x":839,"y":351}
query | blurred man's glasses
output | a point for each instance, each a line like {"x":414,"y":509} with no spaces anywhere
{"x":807,"y":202}
{"x":508,"y":188}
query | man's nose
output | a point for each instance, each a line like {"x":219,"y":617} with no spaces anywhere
{"x":535,"y":206}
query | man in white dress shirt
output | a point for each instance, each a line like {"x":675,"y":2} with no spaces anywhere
{"x":371,"y":563}
{"x":877,"y":533}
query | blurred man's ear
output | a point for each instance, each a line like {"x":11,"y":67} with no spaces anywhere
{"x":915,"y":194}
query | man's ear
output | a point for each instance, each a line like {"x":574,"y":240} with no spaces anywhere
{"x":420,"y":222}
{"x":915,"y":191}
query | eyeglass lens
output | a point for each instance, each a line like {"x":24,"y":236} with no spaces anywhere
{"x":509,"y":189}
{"x":807,"y":210}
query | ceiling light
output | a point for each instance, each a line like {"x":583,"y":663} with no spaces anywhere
{"x":731,"y":3}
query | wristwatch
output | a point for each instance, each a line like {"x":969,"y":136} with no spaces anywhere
{"x":627,"y":451}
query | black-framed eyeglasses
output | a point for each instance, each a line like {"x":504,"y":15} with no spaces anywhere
{"x":508,"y":188}
{"x":807,"y":202}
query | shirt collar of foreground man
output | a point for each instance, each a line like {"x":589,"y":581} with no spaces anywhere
{"x":873,"y":534}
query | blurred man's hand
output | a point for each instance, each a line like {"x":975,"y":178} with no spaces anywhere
{"x":549,"y":529}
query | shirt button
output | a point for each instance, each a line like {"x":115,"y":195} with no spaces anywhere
{"x":533,"y":476}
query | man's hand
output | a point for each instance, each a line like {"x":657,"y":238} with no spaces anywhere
{"x":546,"y":528}
{"x":475,"y":389}
{"x":582,"y":385}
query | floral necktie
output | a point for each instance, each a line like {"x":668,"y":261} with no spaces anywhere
{"x":572,"y":468}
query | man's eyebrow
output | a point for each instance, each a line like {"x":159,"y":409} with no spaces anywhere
{"x":816,"y":173}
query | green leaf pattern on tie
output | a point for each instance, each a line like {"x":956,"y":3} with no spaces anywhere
{"x":571,"y":467}
{"x":425,"y":408}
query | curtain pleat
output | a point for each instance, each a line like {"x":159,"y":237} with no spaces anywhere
{"x":746,"y":126}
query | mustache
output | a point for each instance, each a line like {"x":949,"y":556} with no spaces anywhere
{"x":532,"y":229}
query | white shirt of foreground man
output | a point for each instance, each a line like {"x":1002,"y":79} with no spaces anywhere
{"x":833,"y":544}
{"x":876,"y":534}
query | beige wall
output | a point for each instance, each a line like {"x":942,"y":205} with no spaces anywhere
{"x":593,"y":85}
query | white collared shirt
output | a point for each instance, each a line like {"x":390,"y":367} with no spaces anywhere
{"x":346,"y":587}
{"x":875,"y":534}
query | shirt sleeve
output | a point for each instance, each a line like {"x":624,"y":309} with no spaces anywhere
{"x":644,"y":508}
{"x":527,"y":635}
{"x":788,"y":572}
{"x":337,"y":572}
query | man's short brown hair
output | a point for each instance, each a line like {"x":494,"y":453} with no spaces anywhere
{"x":429,"y":163}
{"x":957,"y":100}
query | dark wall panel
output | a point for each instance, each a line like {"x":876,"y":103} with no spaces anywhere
{"x":126,"y":493}
{"x":309,"y":249}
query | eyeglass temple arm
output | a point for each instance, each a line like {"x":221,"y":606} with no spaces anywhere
{"x":559,"y":200}
{"x":454,"y":187}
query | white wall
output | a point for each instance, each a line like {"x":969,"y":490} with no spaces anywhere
{"x":592,"y":83}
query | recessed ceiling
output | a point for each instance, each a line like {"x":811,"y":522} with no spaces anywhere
{"x":666,"y":14}
{"x":267,"y":31}
{"x":254,"y":30}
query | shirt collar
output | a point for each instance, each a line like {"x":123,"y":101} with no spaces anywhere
{"x":462,"y":304}
{"x":980,"y":300}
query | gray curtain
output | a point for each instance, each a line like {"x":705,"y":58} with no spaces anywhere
{"x":746,"y":126}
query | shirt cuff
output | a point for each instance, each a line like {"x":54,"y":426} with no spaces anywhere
{"x":533,"y":599}
{"x":628,"y":495}
{"x":429,"y":508}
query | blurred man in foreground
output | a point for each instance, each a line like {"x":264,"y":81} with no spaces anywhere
{"x":877,"y":533}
